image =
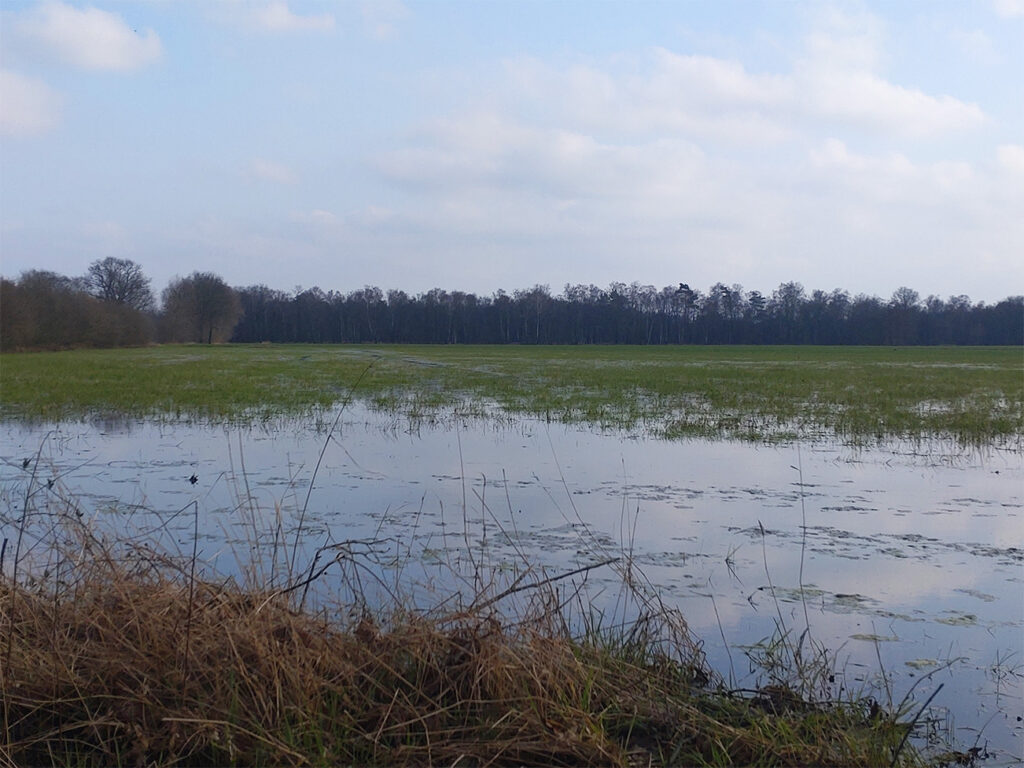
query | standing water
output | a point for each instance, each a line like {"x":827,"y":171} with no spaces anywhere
{"x":905,"y":561}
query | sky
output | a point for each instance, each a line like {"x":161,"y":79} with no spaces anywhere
{"x":490,"y":145}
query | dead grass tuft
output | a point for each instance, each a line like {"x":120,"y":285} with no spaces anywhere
{"x":115,"y":655}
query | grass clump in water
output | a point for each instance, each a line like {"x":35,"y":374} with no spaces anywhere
{"x":116,"y":654}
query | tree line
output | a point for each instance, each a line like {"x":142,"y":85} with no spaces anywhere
{"x":113,"y":305}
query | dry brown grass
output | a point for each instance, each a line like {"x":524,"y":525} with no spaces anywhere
{"x":112,"y":654}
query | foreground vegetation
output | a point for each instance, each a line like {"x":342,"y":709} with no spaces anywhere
{"x":972,"y":395}
{"x":118,"y":653}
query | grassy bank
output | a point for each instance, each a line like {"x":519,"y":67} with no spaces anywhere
{"x":115,"y":653}
{"x":972,"y":395}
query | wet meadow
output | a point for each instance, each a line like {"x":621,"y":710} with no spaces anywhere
{"x":513,"y":555}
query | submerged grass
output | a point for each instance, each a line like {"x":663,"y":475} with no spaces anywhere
{"x":117,"y":654}
{"x":972,"y":395}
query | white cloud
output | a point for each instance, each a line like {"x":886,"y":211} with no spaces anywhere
{"x":661,"y":91}
{"x":1011,"y":157}
{"x":278,"y":17}
{"x":839,"y":80}
{"x":1009,"y":8}
{"x":29,"y":106}
{"x":716,"y":82}
{"x":485,"y":175}
{"x":877,"y":181}
{"x":89,"y":38}
{"x":715,"y":99}
{"x":316,"y":218}
{"x":844,"y":40}
{"x":864,"y":100}
{"x":483,"y":151}
{"x":381,"y":17}
{"x":500,"y":177}
{"x":911,"y":221}
{"x":975,"y":44}
{"x":834,"y":154}
{"x":270,"y":171}
{"x":669,"y":157}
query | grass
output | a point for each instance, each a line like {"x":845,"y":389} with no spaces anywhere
{"x":974,"y":396}
{"x":117,"y":653}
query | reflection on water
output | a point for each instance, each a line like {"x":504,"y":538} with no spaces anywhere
{"x":912,"y":555}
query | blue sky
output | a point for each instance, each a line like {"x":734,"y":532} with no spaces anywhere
{"x":486,"y":145}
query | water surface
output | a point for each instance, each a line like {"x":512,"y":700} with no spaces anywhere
{"x":911,"y":554}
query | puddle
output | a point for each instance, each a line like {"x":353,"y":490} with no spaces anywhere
{"x":908,"y":556}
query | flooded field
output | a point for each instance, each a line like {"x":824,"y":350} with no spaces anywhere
{"x":906,"y":561}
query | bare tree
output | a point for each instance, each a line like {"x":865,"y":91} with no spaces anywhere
{"x":120,"y":281}
{"x":201,"y":308}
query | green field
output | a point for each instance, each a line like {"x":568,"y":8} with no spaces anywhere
{"x":972,"y":395}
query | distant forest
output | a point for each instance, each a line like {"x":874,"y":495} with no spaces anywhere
{"x":113,"y":305}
